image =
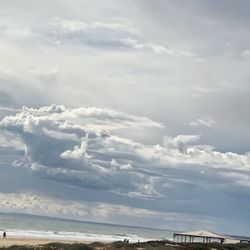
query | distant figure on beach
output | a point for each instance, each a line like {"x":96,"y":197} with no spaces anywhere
{"x":4,"y":234}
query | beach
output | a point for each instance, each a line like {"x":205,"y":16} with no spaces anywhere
{"x":11,"y":241}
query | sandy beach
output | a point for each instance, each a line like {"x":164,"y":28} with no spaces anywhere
{"x":10,"y":241}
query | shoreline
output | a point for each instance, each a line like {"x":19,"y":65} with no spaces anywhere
{"x":28,"y":241}
{"x":25,"y":237}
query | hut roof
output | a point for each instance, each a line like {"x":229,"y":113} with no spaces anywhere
{"x":203,"y":234}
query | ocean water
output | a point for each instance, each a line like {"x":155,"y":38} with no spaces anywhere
{"x":19,"y":225}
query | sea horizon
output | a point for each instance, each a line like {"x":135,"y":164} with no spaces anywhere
{"x":47,"y":227}
{"x":84,"y":221}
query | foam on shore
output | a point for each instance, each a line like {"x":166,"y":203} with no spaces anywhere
{"x":74,"y":236}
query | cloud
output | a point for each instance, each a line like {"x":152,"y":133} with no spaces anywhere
{"x":182,"y":152}
{"x":79,"y":147}
{"x":106,"y":35}
{"x":91,"y":117}
{"x":246,"y":53}
{"x":103,"y":35}
{"x":94,"y":34}
{"x":71,"y":146}
{"x":240,"y":178}
{"x":8,"y":140}
{"x":156,"y":48}
{"x":7,"y":71}
{"x":42,"y":205}
{"x":14,"y":30}
{"x":94,"y":211}
{"x":78,"y":26}
{"x":179,"y":141}
{"x":39,"y":205}
{"x":9,"y":109}
{"x":32,"y":83}
{"x":202,"y":122}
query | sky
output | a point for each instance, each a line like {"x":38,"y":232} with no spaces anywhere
{"x":129,"y":112}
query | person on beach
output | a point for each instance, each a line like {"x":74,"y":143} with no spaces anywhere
{"x":4,"y":234}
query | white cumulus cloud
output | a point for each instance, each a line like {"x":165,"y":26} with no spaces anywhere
{"x":79,"y":147}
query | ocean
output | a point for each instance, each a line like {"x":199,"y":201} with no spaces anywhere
{"x":32,"y":226}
